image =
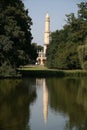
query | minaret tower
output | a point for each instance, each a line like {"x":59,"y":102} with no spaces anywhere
{"x":41,"y":59}
{"x":47,"y":32}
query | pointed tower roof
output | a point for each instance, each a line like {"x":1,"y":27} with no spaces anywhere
{"x":47,"y":15}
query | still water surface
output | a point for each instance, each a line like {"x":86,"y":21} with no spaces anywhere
{"x":43,"y":104}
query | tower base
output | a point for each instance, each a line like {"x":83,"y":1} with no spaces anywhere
{"x":41,"y":59}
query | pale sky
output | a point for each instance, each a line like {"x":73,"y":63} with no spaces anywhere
{"x":57,"y":9}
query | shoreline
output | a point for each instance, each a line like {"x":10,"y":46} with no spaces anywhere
{"x":43,"y":72}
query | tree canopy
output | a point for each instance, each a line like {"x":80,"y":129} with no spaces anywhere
{"x":15,"y":34}
{"x":66,"y":48}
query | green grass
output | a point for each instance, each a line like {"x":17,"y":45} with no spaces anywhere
{"x":42,"y":71}
{"x":32,"y":67}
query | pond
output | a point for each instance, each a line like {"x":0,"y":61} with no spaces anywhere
{"x":43,"y":104}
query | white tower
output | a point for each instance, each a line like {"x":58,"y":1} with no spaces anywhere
{"x":41,"y":59}
{"x":47,"y":32}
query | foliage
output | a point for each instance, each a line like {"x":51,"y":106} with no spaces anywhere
{"x":63,"y":51}
{"x":82,"y":54}
{"x":15,"y":34}
{"x":6,"y":70}
{"x":36,"y":48}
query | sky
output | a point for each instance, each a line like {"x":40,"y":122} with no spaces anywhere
{"x":57,"y":9}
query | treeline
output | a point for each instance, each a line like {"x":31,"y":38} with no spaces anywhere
{"x":15,"y":36}
{"x":68,"y":47}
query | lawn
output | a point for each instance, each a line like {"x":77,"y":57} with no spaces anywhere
{"x":42,"y":71}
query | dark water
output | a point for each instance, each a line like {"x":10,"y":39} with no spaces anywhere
{"x":43,"y":104}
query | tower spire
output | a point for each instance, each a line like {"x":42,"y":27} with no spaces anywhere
{"x":47,"y":32}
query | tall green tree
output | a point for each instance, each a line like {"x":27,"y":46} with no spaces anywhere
{"x":64,"y":51}
{"x":15,"y":33}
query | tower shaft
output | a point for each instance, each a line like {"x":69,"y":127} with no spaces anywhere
{"x":47,"y":32}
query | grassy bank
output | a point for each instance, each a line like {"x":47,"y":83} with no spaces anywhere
{"x":41,"y":71}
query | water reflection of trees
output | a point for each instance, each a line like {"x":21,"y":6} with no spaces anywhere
{"x":69,"y":96}
{"x":15,"y":97}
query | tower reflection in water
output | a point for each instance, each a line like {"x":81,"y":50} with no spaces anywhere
{"x":42,"y":82}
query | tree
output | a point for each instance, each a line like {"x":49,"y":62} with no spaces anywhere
{"x":15,"y":33}
{"x":82,"y":12}
{"x":65,"y":48}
